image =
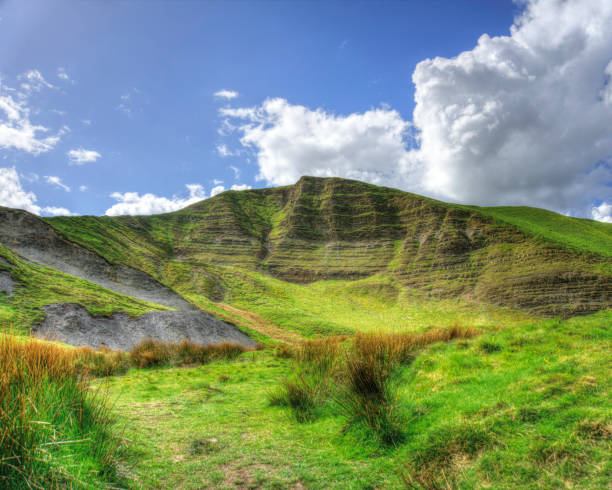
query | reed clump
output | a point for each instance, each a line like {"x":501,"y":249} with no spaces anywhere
{"x":357,"y":376}
{"x":47,"y":413}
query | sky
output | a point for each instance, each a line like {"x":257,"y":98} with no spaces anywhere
{"x":140,"y":107}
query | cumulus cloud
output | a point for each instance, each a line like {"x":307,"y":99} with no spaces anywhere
{"x":16,"y":130}
{"x":61,"y":73}
{"x":240,"y":187}
{"x":226,"y":94}
{"x":520,"y":119}
{"x":56,"y":181}
{"x":81,"y":156}
{"x":12,"y":195}
{"x":56,"y":211}
{"x":83,"y":188}
{"x":523,"y":118}
{"x":603,"y":212}
{"x":131,"y":203}
{"x":218,"y":189}
{"x":293,"y":140}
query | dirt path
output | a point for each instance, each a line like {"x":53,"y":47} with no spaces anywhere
{"x":261,"y":325}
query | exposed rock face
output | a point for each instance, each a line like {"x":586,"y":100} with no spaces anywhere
{"x":6,"y":283}
{"x":72,"y":324}
{"x":39,"y":242}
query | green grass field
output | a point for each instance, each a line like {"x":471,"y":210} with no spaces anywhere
{"x":524,"y":407}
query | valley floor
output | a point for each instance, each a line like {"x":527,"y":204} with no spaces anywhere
{"x":525,"y":407}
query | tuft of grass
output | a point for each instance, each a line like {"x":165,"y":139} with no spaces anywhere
{"x":151,"y":353}
{"x":54,"y":432}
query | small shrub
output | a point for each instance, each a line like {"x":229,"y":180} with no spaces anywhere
{"x":284,"y":351}
{"x":150,"y":353}
{"x":300,"y":393}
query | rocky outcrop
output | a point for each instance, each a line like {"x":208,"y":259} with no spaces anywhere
{"x":72,"y":324}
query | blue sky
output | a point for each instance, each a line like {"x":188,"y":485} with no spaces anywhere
{"x":133,"y":84}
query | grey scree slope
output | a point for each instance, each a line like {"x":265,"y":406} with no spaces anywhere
{"x":73,"y":324}
{"x":39,"y":242}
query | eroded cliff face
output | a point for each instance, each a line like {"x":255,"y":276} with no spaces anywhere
{"x":329,"y":228}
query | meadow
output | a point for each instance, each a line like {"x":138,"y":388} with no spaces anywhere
{"x":525,"y":406}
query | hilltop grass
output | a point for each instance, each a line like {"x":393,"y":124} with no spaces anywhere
{"x":524,"y":407}
{"x":577,"y":234}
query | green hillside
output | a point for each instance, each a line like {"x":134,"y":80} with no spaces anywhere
{"x":337,"y":229}
{"x":523,"y":401}
{"x":578,"y":234}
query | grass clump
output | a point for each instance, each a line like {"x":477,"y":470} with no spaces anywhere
{"x":54,"y":432}
{"x":151,"y":353}
{"x":360,"y":375}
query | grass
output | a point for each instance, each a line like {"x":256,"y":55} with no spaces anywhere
{"x":577,"y":234}
{"x":534,"y":412}
{"x":54,"y":432}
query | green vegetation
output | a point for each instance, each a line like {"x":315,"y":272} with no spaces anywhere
{"x":524,"y":407}
{"x":355,"y":289}
{"x":54,"y":432}
{"x":578,"y":234}
{"x":37,"y":286}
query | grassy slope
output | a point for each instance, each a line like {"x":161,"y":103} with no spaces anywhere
{"x":577,"y":234}
{"x":343,"y":307}
{"x":38,"y":286}
{"x":526,"y":407}
{"x":234,"y":227}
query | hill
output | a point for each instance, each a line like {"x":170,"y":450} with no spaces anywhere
{"x":335,"y":229}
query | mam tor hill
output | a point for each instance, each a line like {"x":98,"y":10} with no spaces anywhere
{"x":228,"y":253}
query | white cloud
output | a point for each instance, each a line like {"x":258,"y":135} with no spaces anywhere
{"x":236,"y":171}
{"x":292,"y":140}
{"x":83,"y":188}
{"x":226,"y":94}
{"x":54,"y":180}
{"x":86,"y":122}
{"x":33,"y":81}
{"x":519,"y":119}
{"x":131,"y":203}
{"x":217,"y":182}
{"x":81,"y":156}
{"x":16,"y":130}
{"x":240,"y":187}
{"x":523,"y":118}
{"x":12,"y":195}
{"x":216,"y":190}
{"x":603,"y":212}
{"x":56,"y":211}
{"x":61,"y":73}
{"x":224,"y":151}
